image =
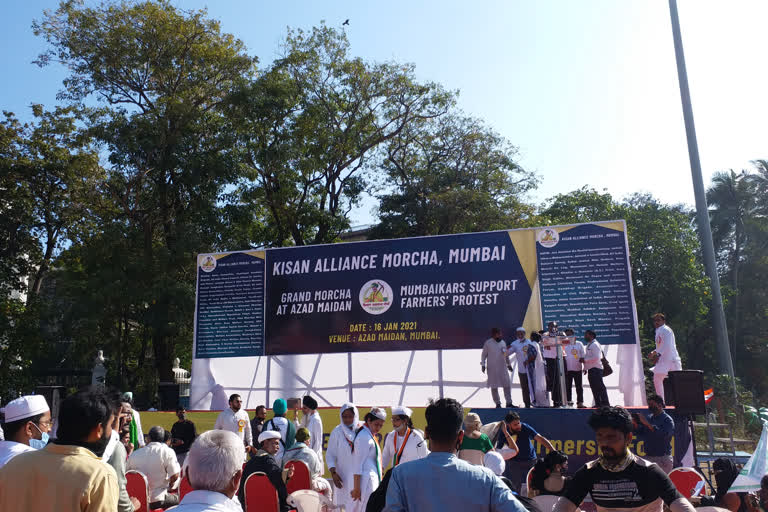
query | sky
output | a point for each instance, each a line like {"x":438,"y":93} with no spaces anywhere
{"x":586,"y":90}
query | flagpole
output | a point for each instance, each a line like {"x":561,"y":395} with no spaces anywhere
{"x":702,"y":210}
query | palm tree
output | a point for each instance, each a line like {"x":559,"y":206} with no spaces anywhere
{"x":732,"y":202}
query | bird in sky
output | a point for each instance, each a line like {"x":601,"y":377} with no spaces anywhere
{"x":346,"y":22}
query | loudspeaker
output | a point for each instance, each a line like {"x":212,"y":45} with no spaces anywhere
{"x":169,"y":396}
{"x":688,"y":391}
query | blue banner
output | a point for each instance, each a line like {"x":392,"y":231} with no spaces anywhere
{"x":229,"y":315}
{"x":443,"y":292}
{"x":568,"y":431}
{"x":585,"y":281}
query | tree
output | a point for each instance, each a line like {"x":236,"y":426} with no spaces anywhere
{"x":164,"y":75}
{"x":309,"y":127}
{"x":732,"y":203}
{"x":451,"y":174}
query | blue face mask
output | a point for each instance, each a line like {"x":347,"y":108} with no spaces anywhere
{"x":39,"y":444}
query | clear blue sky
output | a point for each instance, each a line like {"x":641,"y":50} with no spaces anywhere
{"x":587,"y":90}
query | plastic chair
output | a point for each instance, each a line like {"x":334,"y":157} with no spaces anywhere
{"x":546,"y":502}
{"x":260,"y":494}
{"x":528,"y":479}
{"x":138,"y":487}
{"x":184,"y":487}
{"x":307,"y":500}
{"x":301,"y":478}
{"x":685,"y":480}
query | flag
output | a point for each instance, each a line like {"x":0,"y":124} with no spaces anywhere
{"x":757,"y":466}
{"x":709,"y":395}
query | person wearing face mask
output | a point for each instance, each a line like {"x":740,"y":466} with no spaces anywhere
{"x":656,"y":429}
{"x":495,"y":359}
{"x":366,"y":459}
{"x":68,"y":473}
{"x":27,"y":423}
{"x":405,"y":443}
{"x":549,"y":475}
{"x":339,"y":456}
{"x":618,"y":479}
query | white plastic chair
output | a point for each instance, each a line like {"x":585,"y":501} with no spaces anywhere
{"x":546,"y":502}
{"x":307,"y":500}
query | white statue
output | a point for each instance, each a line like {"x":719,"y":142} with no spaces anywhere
{"x":99,"y":372}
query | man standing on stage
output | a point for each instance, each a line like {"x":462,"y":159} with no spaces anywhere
{"x":495,"y":359}
{"x":550,"y":359}
{"x":520,"y":348}
{"x":573,"y":352}
{"x":665,"y":356}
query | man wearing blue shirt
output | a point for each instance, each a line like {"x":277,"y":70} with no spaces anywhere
{"x":518,"y":466}
{"x":656,"y":430}
{"x":441,"y":481}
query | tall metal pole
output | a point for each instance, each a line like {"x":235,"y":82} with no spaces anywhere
{"x":702,"y":210}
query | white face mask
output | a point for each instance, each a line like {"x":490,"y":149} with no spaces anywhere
{"x":39,"y":444}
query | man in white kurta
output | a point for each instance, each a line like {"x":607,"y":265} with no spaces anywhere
{"x":495,"y":360}
{"x":236,"y":420}
{"x":519,"y":348}
{"x":311,"y":421}
{"x":665,"y":353}
{"x":339,"y":454}
{"x":404,"y":443}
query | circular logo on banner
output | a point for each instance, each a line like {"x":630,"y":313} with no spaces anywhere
{"x":376,"y":296}
{"x":208,"y":264}
{"x":548,"y":237}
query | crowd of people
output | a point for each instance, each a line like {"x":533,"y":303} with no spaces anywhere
{"x":540,"y":373}
{"x":456,"y":463}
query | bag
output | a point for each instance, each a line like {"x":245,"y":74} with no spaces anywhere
{"x":607,"y":370}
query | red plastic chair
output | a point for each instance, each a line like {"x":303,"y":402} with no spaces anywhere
{"x":301,"y":478}
{"x":685,"y":480}
{"x":137,"y":486}
{"x":184,"y":487}
{"x":260,"y":495}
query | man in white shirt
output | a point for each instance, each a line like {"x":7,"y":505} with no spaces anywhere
{"x":214,"y":468}
{"x":236,"y":420}
{"x":518,"y":347}
{"x":157,"y":461}
{"x":311,"y":421}
{"x":573,"y":352}
{"x":665,"y":355}
{"x":27,"y":423}
{"x":496,"y":360}
{"x":594,"y":367}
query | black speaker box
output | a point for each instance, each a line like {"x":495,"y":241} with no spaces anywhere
{"x":687,"y":391}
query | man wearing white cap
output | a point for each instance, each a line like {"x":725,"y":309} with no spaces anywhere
{"x":519,"y":348}
{"x":404,"y":443}
{"x":264,"y":462}
{"x":27,"y":423}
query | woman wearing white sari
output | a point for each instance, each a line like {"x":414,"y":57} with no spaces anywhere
{"x":537,"y":378}
{"x":367,"y":459}
{"x":338,"y":456}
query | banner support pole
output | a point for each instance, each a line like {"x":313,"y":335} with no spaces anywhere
{"x":440,"y":372}
{"x":349,"y":377}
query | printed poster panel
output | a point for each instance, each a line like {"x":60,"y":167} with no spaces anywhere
{"x":585,"y":281}
{"x":229,"y":314}
{"x":443,"y":292}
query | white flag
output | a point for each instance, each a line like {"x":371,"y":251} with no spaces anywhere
{"x":757,"y":466}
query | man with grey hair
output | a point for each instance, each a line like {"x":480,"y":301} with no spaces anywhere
{"x":214,"y":469}
{"x":157,"y":461}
